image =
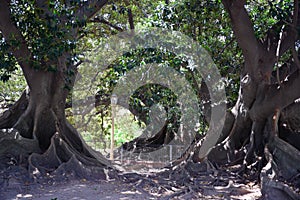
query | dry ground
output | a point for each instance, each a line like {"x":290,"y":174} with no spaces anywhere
{"x":85,"y":190}
{"x":139,"y":185}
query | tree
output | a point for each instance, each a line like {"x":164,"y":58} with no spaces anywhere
{"x":267,"y":91}
{"x":267,"y":35}
{"x":40,"y":37}
{"x":262,"y":122}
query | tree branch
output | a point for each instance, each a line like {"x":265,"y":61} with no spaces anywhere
{"x":277,"y":97}
{"x":226,"y":45}
{"x":90,"y":8}
{"x":101,"y":20}
{"x":270,"y":43}
{"x":295,"y":22}
{"x":130,"y":16}
{"x":243,"y":29}
{"x":291,"y":33}
{"x":130,"y":19}
{"x":12,"y":34}
{"x":43,"y":5}
{"x":296,"y":13}
{"x":288,"y":40}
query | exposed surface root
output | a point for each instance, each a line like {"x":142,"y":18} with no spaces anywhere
{"x":192,"y":181}
{"x":9,"y":118}
{"x":61,"y":160}
{"x":64,"y":161}
{"x":23,"y":163}
{"x":279,"y":178}
{"x":14,"y":149}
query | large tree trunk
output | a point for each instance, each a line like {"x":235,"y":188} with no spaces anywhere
{"x":42,"y":133}
{"x":41,"y":139}
{"x":253,"y":140}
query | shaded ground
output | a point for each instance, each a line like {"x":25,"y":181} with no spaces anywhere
{"x":184,"y":182}
{"x":77,"y":190}
{"x":84,"y":190}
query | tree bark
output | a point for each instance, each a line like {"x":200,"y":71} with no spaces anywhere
{"x":42,"y":138}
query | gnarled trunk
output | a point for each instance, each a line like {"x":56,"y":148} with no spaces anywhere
{"x":42,"y":139}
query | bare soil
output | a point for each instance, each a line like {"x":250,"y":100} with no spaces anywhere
{"x":138,"y":185}
{"x":85,"y":190}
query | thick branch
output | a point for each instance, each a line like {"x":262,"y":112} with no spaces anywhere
{"x":243,"y":29}
{"x":276,"y":97}
{"x":130,"y":19}
{"x":12,"y":34}
{"x":296,"y":13}
{"x":130,"y":16}
{"x":270,"y":43}
{"x":288,"y":40}
{"x":90,"y":8}
{"x":295,"y":22}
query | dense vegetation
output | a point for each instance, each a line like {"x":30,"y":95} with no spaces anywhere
{"x":255,"y":46}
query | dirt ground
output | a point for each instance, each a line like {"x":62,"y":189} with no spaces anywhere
{"x":84,"y":190}
{"x":135,"y":185}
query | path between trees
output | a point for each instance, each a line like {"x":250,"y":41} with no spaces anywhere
{"x":133,"y":185}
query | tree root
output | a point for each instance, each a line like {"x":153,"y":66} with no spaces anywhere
{"x":286,"y":157}
{"x":9,"y":118}
{"x":61,"y":160}
{"x":283,"y":164}
{"x":15,"y":149}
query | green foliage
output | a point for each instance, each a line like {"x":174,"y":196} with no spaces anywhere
{"x":201,"y":22}
{"x":205,"y":21}
{"x":7,"y":60}
{"x":11,"y":89}
{"x":126,"y":127}
{"x":208,"y":23}
{"x":265,"y":14}
{"x":46,"y":34}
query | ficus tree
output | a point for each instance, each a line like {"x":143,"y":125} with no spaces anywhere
{"x":269,"y":81}
{"x":254,"y":43}
{"x":40,"y":37}
{"x":261,"y":50}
